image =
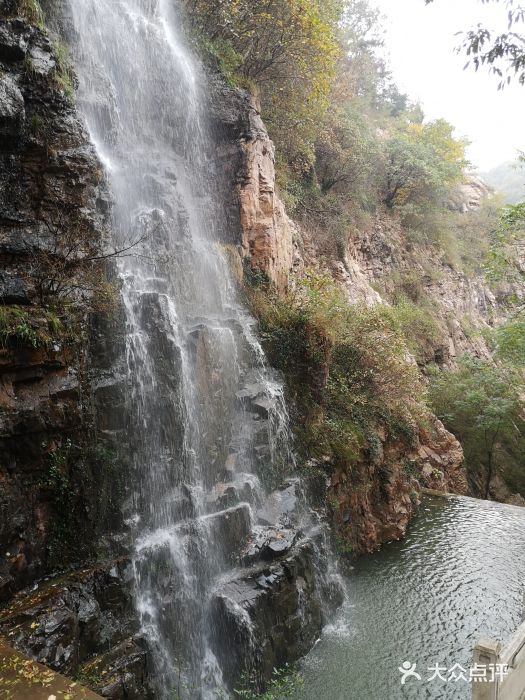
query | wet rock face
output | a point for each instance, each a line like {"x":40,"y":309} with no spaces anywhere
{"x":12,"y":110}
{"x":269,"y":618}
{"x":270,"y":610}
{"x":50,"y":179}
{"x":83,"y":626}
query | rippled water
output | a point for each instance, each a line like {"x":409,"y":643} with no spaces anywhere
{"x":458,"y":575}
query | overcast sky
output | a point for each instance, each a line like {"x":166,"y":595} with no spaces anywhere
{"x":420,"y":42}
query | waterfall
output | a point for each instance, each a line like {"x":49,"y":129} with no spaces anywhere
{"x":193,"y":363}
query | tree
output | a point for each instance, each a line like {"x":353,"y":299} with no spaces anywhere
{"x":509,"y":340}
{"x":503,"y":54}
{"x":481,"y":404}
{"x":286,"y":48}
{"x":505,"y":263}
{"x":346,"y":152}
{"x":505,"y":259}
{"x":422,"y":161}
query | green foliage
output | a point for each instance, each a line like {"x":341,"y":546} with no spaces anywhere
{"x":64,"y":76}
{"x":17,"y":327}
{"x":503,"y":54}
{"x":418,"y":326}
{"x":348,"y":142}
{"x":482,"y":404}
{"x":254,"y":277}
{"x":347,"y":152}
{"x":422,"y":161}
{"x":36,"y":124}
{"x":287,"y":48}
{"x":504,"y":257}
{"x":465,"y":237}
{"x":32,"y":11}
{"x":285,"y":683}
{"x":346,"y":365}
{"x":31,"y":327}
{"x":54,"y":323}
{"x":227,"y":59}
{"x":508,"y":340}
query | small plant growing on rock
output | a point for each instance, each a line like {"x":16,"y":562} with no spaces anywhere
{"x":16,"y":327}
{"x":64,"y":75}
{"x":36,"y":124}
{"x":29,"y":327}
{"x":285,"y":683}
{"x":32,"y":11}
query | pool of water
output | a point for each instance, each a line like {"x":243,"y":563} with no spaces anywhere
{"x":458,"y":575}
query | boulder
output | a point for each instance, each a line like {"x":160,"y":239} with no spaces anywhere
{"x":82,"y":625}
{"x":271,"y":616}
{"x":13,"y":290}
{"x":280,"y":506}
{"x":13,"y":45}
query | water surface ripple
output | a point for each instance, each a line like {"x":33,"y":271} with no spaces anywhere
{"x":458,"y":575}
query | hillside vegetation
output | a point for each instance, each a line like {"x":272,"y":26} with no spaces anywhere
{"x":352,"y":151}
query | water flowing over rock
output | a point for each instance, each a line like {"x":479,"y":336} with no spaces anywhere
{"x":206,"y":418}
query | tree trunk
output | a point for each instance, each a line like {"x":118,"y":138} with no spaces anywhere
{"x":489,"y":476}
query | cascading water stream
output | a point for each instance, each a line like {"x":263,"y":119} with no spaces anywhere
{"x":190,"y":347}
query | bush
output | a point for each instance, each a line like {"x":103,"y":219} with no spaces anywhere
{"x":416,"y":323}
{"x":285,"y":683}
{"x":64,"y":75}
{"x":482,"y":404}
{"x":28,"y":328}
{"x":347,"y":367}
{"x":288,"y":48}
{"x":31,"y":10}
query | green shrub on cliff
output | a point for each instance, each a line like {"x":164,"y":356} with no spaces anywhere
{"x":422,"y":161}
{"x":64,"y":76}
{"x":418,"y":326}
{"x":32,"y":11}
{"x":347,"y":367}
{"x":287,"y":48}
{"x":508,"y":340}
{"x":503,"y":260}
{"x":28,"y":327}
{"x":286,"y":682}
{"x":481,"y":403}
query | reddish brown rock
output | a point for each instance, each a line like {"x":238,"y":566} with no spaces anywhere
{"x":374,"y":504}
{"x":258,"y":224}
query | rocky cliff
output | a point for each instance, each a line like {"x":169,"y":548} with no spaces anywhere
{"x":62,"y":421}
{"x":50,"y":185}
{"x":62,"y":480}
{"x":378,"y":254}
{"x":374,"y":503}
{"x":266,"y":237}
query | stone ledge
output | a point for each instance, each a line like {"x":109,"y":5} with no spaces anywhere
{"x":23,"y":678}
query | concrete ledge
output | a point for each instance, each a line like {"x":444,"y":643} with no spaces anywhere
{"x":510,"y":686}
